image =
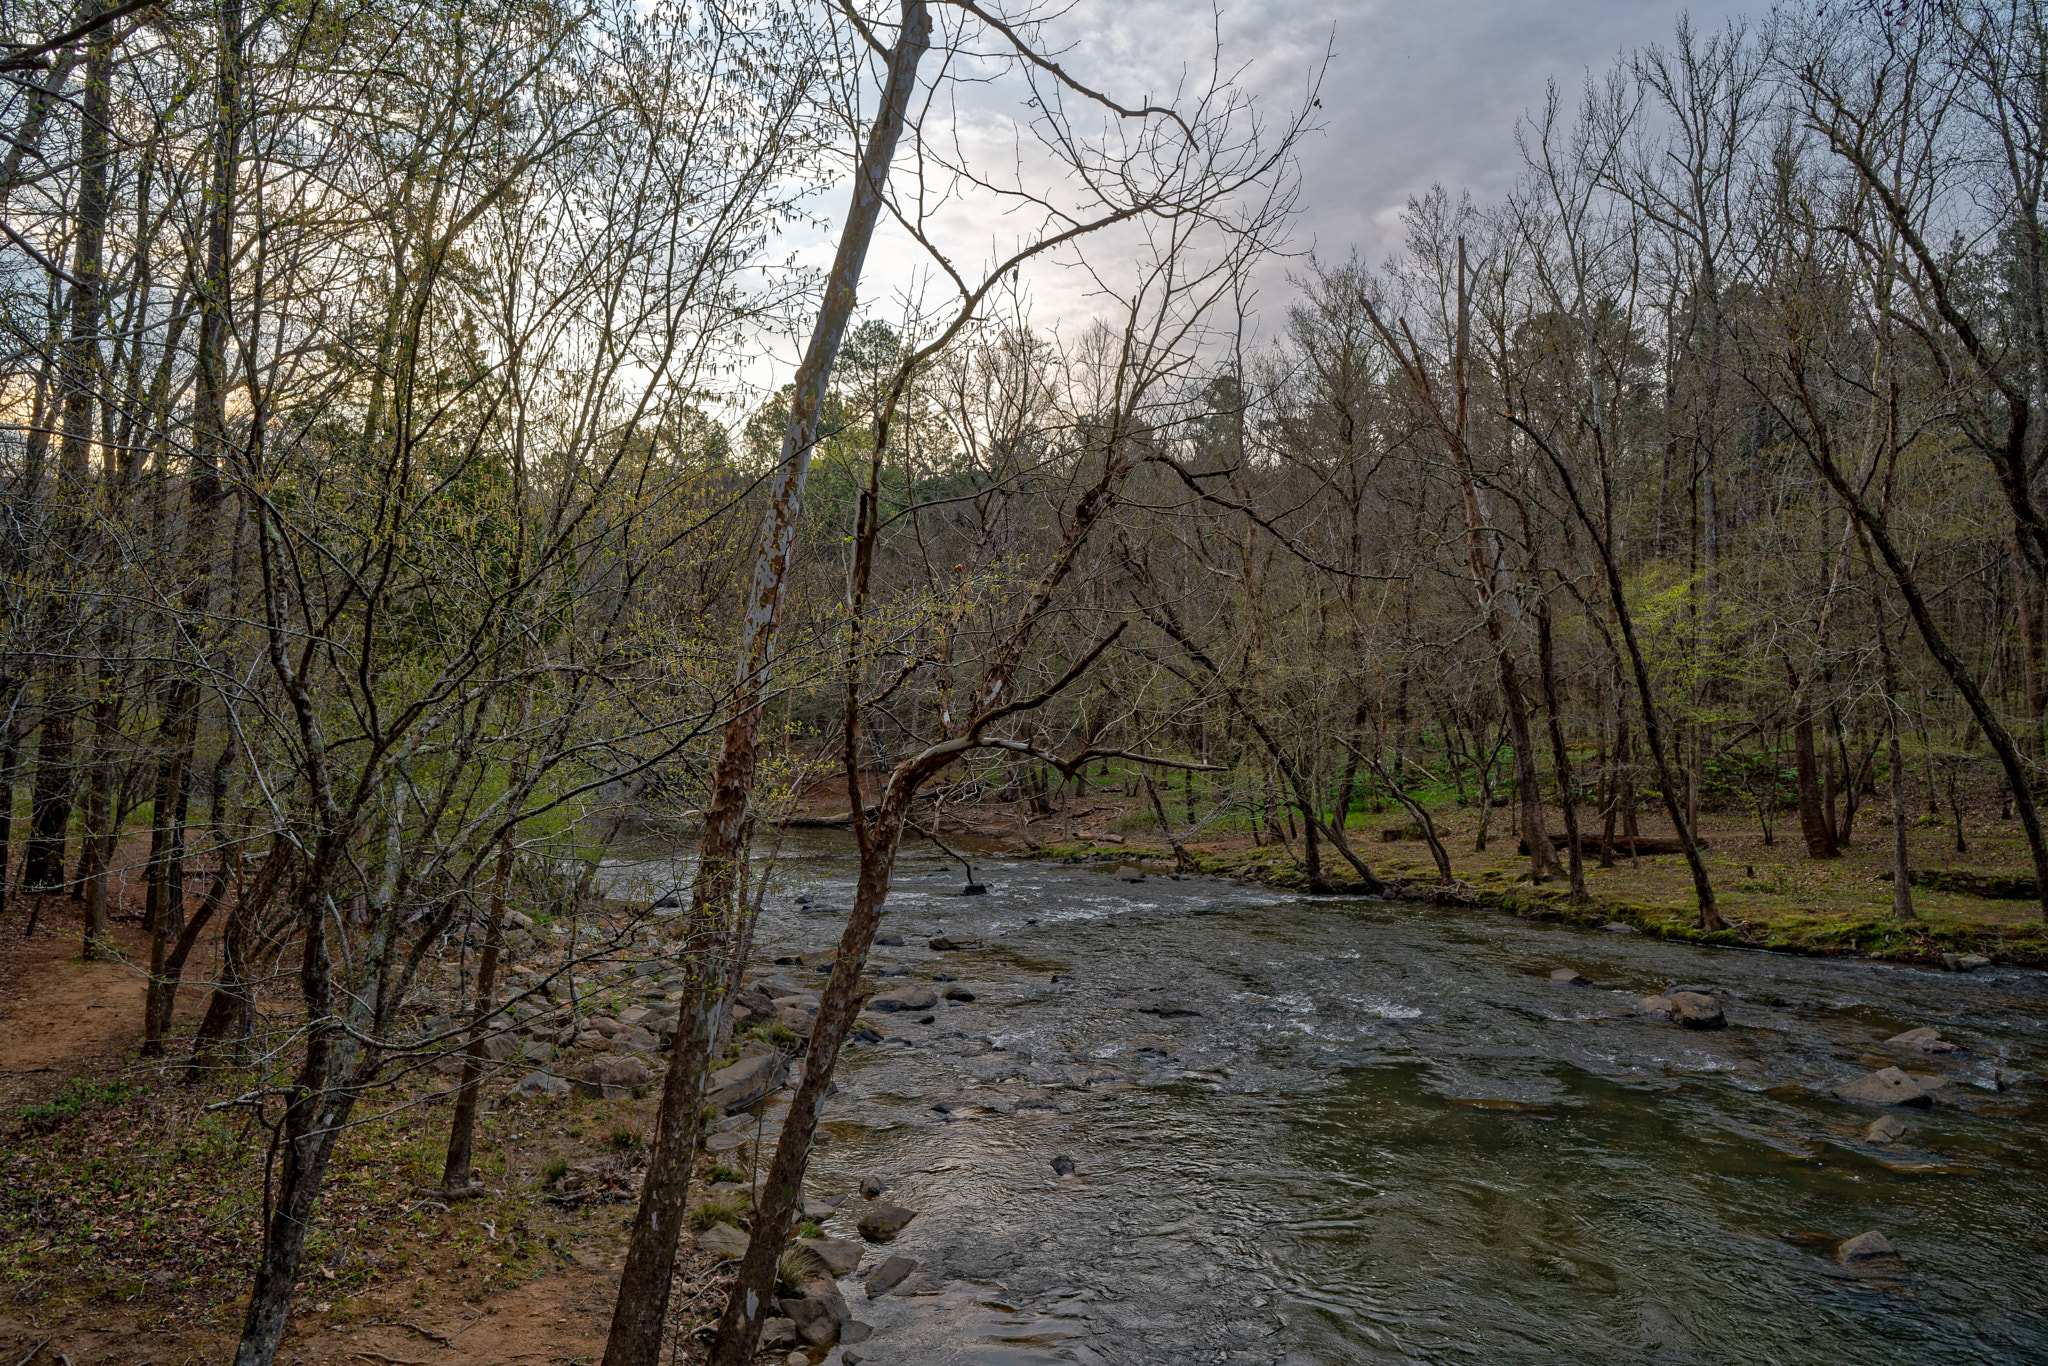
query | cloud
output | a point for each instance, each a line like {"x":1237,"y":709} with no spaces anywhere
{"x":1415,"y":93}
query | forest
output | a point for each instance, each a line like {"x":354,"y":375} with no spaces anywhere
{"x":453,"y":449}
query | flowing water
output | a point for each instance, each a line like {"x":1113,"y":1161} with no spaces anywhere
{"x":1316,"y":1130}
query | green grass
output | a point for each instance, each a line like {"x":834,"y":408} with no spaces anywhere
{"x":75,"y":1099}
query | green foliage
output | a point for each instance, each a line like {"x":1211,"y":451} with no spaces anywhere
{"x":71,"y":1102}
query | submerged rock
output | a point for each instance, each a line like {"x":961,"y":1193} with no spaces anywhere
{"x":1886,"y":1130}
{"x":943,"y":944}
{"x":1925,"y":1040}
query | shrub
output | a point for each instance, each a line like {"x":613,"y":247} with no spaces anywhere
{"x":795,"y":1266}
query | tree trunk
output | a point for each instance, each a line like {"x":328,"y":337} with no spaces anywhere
{"x":455,"y":1179}
{"x":1560,"y":752}
{"x":1813,"y":821}
{"x":642,"y":1306}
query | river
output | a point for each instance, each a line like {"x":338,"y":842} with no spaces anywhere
{"x":1332,"y":1130}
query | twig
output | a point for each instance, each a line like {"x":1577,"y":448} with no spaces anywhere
{"x":395,"y":1361}
{"x":441,"y":1338}
{"x":32,"y":1353}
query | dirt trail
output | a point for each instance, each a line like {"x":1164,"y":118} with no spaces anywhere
{"x":60,"y":1017}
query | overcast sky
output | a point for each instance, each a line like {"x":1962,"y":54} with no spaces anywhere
{"x":1417,"y":92}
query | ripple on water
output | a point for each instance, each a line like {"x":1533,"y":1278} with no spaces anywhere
{"x":1465,"y":1163}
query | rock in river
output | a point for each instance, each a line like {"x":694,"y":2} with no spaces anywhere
{"x":889,"y":1275}
{"x":745,"y":1082}
{"x":942,"y":944}
{"x":1696,"y":1011}
{"x":1888,"y":1086}
{"x":881,"y":1222}
{"x":1887,"y":1129}
{"x":1063,"y":1166}
{"x":840,"y":1256}
{"x":816,"y":1320}
{"x":1570,"y":977}
{"x":1868,"y":1249}
{"x":913,"y":997}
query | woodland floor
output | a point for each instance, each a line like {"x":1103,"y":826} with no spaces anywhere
{"x":129,"y":1209}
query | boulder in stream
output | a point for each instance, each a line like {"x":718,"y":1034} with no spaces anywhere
{"x":881,"y":1222}
{"x":1885,"y":1130}
{"x":1569,"y":977}
{"x":840,"y":1256}
{"x":1886,"y":1086}
{"x":1695,"y":1010}
{"x":943,"y":944}
{"x":815,"y":1316}
{"x":1870,"y":1249}
{"x":916,"y":996}
{"x":745,"y":1082}
{"x":889,"y":1275}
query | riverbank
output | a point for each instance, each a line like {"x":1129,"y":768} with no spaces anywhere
{"x":1772,"y":895}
